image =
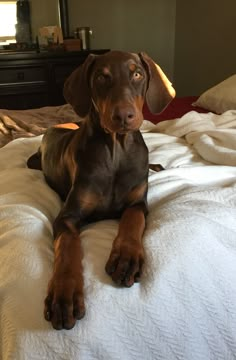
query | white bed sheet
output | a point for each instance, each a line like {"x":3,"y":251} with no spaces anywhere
{"x":185,"y":305}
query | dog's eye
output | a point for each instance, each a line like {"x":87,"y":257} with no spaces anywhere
{"x":101,"y":78}
{"x":137,"y":76}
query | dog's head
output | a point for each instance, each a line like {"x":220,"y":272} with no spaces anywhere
{"x":116,"y":84}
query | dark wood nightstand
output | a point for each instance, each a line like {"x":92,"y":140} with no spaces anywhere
{"x":31,"y":80}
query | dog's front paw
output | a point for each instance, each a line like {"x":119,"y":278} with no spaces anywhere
{"x":64,"y":303}
{"x":125,"y":263}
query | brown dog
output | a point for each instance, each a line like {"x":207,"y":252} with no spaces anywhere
{"x":101,"y":171}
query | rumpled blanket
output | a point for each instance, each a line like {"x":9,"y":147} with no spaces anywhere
{"x":16,"y":124}
{"x":185,"y":305}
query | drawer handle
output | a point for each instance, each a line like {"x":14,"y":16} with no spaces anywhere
{"x":20,"y":75}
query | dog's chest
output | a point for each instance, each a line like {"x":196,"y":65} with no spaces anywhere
{"x":116,"y":192}
{"x":122,"y":179}
{"x":111,"y":177}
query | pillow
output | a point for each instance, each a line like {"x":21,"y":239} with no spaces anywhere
{"x":219,"y":98}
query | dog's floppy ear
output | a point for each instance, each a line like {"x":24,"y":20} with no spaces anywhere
{"x":76,"y":88}
{"x":160,"y":91}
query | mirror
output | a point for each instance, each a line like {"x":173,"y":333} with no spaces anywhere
{"x":42,"y":13}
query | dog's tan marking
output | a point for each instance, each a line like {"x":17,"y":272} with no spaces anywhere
{"x":132,"y":67}
{"x":89,"y":200}
{"x":71,"y":126}
{"x":139,"y":101}
{"x":137,"y":193}
{"x":104,"y":108}
{"x":106,"y":70}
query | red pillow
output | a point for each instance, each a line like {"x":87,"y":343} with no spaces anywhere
{"x":177,"y":108}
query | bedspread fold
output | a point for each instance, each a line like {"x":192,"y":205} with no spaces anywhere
{"x":16,"y":124}
{"x":184,"y":306}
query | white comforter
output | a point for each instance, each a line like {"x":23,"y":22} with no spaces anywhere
{"x":185,"y":305}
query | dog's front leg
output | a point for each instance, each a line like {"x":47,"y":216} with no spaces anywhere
{"x":127,"y":255}
{"x":64,"y":303}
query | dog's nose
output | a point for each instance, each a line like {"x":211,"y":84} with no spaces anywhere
{"x":123,"y":115}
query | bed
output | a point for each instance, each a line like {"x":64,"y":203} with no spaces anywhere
{"x":185,"y":304}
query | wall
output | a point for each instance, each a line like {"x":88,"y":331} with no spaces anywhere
{"x":205,"y":51}
{"x":192,"y":41}
{"x":129,"y":25}
{"x":43,"y":13}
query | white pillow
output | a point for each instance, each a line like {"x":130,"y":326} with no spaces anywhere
{"x":219,"y":98}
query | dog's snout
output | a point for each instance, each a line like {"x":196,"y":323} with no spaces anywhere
{"x":123,"y":115}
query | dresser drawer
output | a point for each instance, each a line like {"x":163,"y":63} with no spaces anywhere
{"x":22,"y":74}
{"x":24,"y":101}
{"x":29,"y":80}
{"x":62,"y":71}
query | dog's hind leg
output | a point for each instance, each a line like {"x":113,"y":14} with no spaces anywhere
{"x":156,"y":167}
{"x":34,"y":162}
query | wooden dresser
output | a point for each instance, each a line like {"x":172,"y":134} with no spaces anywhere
{"x":32,"y":80}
